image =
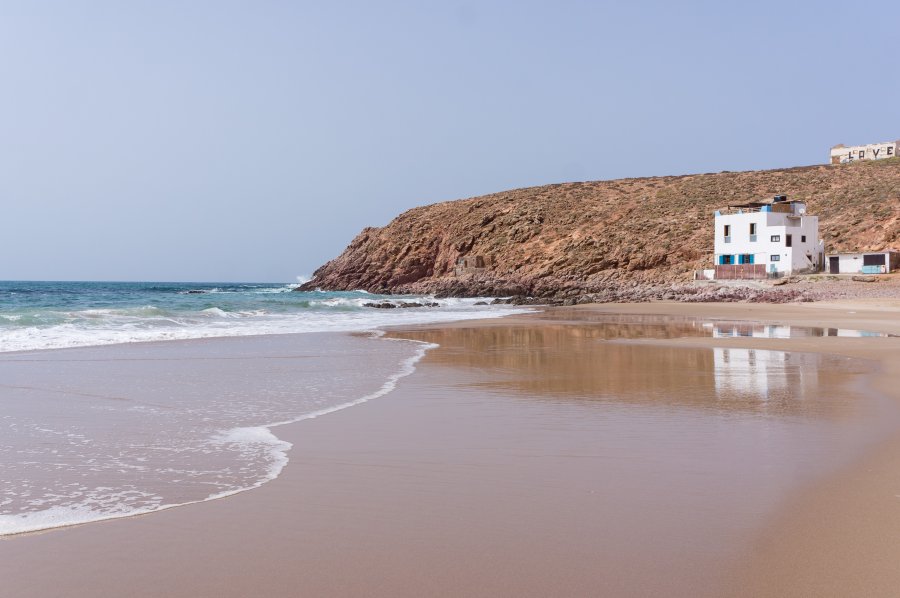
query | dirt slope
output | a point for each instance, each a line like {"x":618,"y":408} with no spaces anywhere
{"x":578,"y":238}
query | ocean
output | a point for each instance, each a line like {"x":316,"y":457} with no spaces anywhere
{"x":53,"y":315}
{"x":113,"y":425}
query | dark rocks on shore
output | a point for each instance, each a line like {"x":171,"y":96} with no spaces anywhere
{"x":527,"y":300}
{"x":645,"y":293}
{"x":400,"y":304}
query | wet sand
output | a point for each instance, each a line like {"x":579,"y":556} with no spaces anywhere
{"x":510,"y":464}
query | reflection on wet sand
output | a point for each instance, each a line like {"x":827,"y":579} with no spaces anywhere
{"x":628,"y":326}
{"x":667,"y":455}
{"x":574,"y":362}
{"x":637,"y":326}
{"x":756,"y":330}
{"x":768,"y":375}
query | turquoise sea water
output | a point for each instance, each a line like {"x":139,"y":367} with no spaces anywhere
{"x":43,"y":315}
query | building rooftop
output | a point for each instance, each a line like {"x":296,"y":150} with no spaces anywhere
{"x":779,"y":203}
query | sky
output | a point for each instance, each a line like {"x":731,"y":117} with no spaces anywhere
{"x":251,"y":141}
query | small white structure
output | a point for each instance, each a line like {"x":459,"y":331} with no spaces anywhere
{"x":870,"y":262}
{"x":766,"y":239}
{"x":841,"y":154}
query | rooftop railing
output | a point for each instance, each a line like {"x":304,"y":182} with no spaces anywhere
{"x":729,"y":210}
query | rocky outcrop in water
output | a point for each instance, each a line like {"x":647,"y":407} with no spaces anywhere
{"x":629,"y":239}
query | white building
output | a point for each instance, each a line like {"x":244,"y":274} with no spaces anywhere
{"x":841,"y":154}
{"x":766,"y":239}
{"x":870,"y":262}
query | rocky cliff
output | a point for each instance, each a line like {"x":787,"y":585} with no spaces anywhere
{"x":576,"y":239}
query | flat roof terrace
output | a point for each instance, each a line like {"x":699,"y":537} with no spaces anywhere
{"x":784,"y":207}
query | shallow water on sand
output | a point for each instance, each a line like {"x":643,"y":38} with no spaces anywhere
{"x":101,"y":432}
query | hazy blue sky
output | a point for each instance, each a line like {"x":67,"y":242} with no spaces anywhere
{"x":221,"y":140}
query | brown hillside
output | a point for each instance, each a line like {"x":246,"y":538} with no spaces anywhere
{"x":571,"y":238}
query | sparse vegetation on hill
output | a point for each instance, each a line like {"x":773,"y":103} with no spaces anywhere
{"x":604,"y":237}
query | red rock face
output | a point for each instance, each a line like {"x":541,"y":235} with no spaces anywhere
{"x":572,"y":239}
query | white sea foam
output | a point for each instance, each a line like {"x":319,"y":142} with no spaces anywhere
{"x":255,"y":439}
{"x":105,"y":327}
{"x":92,"y":507}
{"x":82,"y":505}
{"x":257,"y":436}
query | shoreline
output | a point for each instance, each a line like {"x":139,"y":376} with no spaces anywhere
{"x":374,"y":328}
{"x":405,"y":368}
{"x":107,"y":533}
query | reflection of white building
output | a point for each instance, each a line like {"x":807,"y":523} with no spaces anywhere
{"x":762,"y":374}
{"x":750,"y":330}
{"x":754,"y":330}
{"x":741,"y":372}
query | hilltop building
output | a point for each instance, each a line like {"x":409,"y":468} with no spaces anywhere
{"x":766,"y":239}
{"x":841,"y":154}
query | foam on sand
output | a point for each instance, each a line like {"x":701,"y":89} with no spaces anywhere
{"x":257,"y":447}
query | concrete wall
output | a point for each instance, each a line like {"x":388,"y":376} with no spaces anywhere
{"x":873,"y":151}
{"x":472,"y":264}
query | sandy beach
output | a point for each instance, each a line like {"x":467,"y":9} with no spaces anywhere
{"x":549,"y":455}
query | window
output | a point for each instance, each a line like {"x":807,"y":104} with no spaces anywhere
{"x":890,"y":151}
{"x":803,"y":238}
{"x":727,"y":230}
{"x":789,"y":240}
{"x":726,"y":260}
{"x":752,"y":228}
{"x":862,"y":154}
{"x":776,"y":238}
{"x":745,"y":258}
{"x":874,"y":259}
{"x":775,"y":258}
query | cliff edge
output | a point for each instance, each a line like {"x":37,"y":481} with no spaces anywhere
{"x":576,"y":239}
